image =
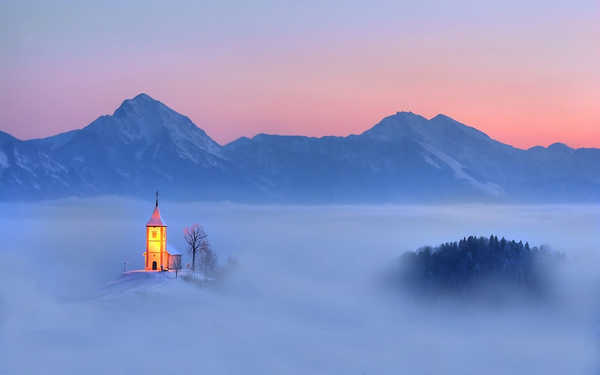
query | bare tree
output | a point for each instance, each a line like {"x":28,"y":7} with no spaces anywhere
{"x":176,"y":265}
{"x":208,"y":258}
{"x":194,"y":237}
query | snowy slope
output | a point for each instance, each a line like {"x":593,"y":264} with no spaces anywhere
{"x":139,"y":282}
{"x":152,"y":284}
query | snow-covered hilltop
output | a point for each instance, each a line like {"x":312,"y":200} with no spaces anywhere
{"x":145,"y":145}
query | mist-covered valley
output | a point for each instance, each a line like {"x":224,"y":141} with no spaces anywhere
{"x":305,"y":297}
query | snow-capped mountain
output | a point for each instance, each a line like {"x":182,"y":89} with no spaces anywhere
{"x":145,"y":146}
{"x":407,"y":157}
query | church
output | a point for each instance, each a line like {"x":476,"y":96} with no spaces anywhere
{"x":159,"y":256}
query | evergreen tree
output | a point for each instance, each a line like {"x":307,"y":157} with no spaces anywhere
{"x":463,"y":264}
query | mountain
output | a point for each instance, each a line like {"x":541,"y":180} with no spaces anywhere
{"x":403,"y":158}
{"x":144,"y":145}
{"x":407,"y":157}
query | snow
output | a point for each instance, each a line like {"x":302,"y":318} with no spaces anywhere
{"x":155,"y":219}
{"x":430,"y":161}
{"x":460,"y":173}
{"x":172,"y":250}
{"x":144,"y":119}
{"x":141,"y":282}
{"x":23,"y":161}
{"x":51,"y":166}
{"x":3,"y":160}
{"x":137,"y":282}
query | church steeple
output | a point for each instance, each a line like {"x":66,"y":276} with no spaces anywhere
{"x":155,"y":219}
{"x":157,"y":257}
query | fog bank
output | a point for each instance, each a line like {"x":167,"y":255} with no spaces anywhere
{"x":302,"y":301}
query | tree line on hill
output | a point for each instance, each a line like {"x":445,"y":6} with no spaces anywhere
{"x":474,"y":263}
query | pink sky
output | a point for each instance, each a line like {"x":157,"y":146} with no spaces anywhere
{"x":526,"y":80}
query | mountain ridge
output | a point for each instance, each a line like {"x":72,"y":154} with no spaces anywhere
{"x":405,"y":157}
{"x":147,"y":97}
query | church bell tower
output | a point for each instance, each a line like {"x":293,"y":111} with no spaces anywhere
{"x":157,"y":257}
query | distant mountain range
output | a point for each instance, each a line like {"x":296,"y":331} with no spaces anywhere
{"x":146,"y":146}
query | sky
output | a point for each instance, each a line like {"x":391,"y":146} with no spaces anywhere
{"x":525,"y":72}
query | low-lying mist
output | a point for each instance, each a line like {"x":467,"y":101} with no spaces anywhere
{"x":303,"y":300}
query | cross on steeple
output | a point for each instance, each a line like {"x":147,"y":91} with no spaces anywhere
{"x":156,"y":198}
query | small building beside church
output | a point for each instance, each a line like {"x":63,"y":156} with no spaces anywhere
{"x":159,"y":256}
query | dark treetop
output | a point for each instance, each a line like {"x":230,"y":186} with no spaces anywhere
{"x":477,"y":265}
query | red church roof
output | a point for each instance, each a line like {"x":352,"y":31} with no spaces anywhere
{"x":155,"y":219}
